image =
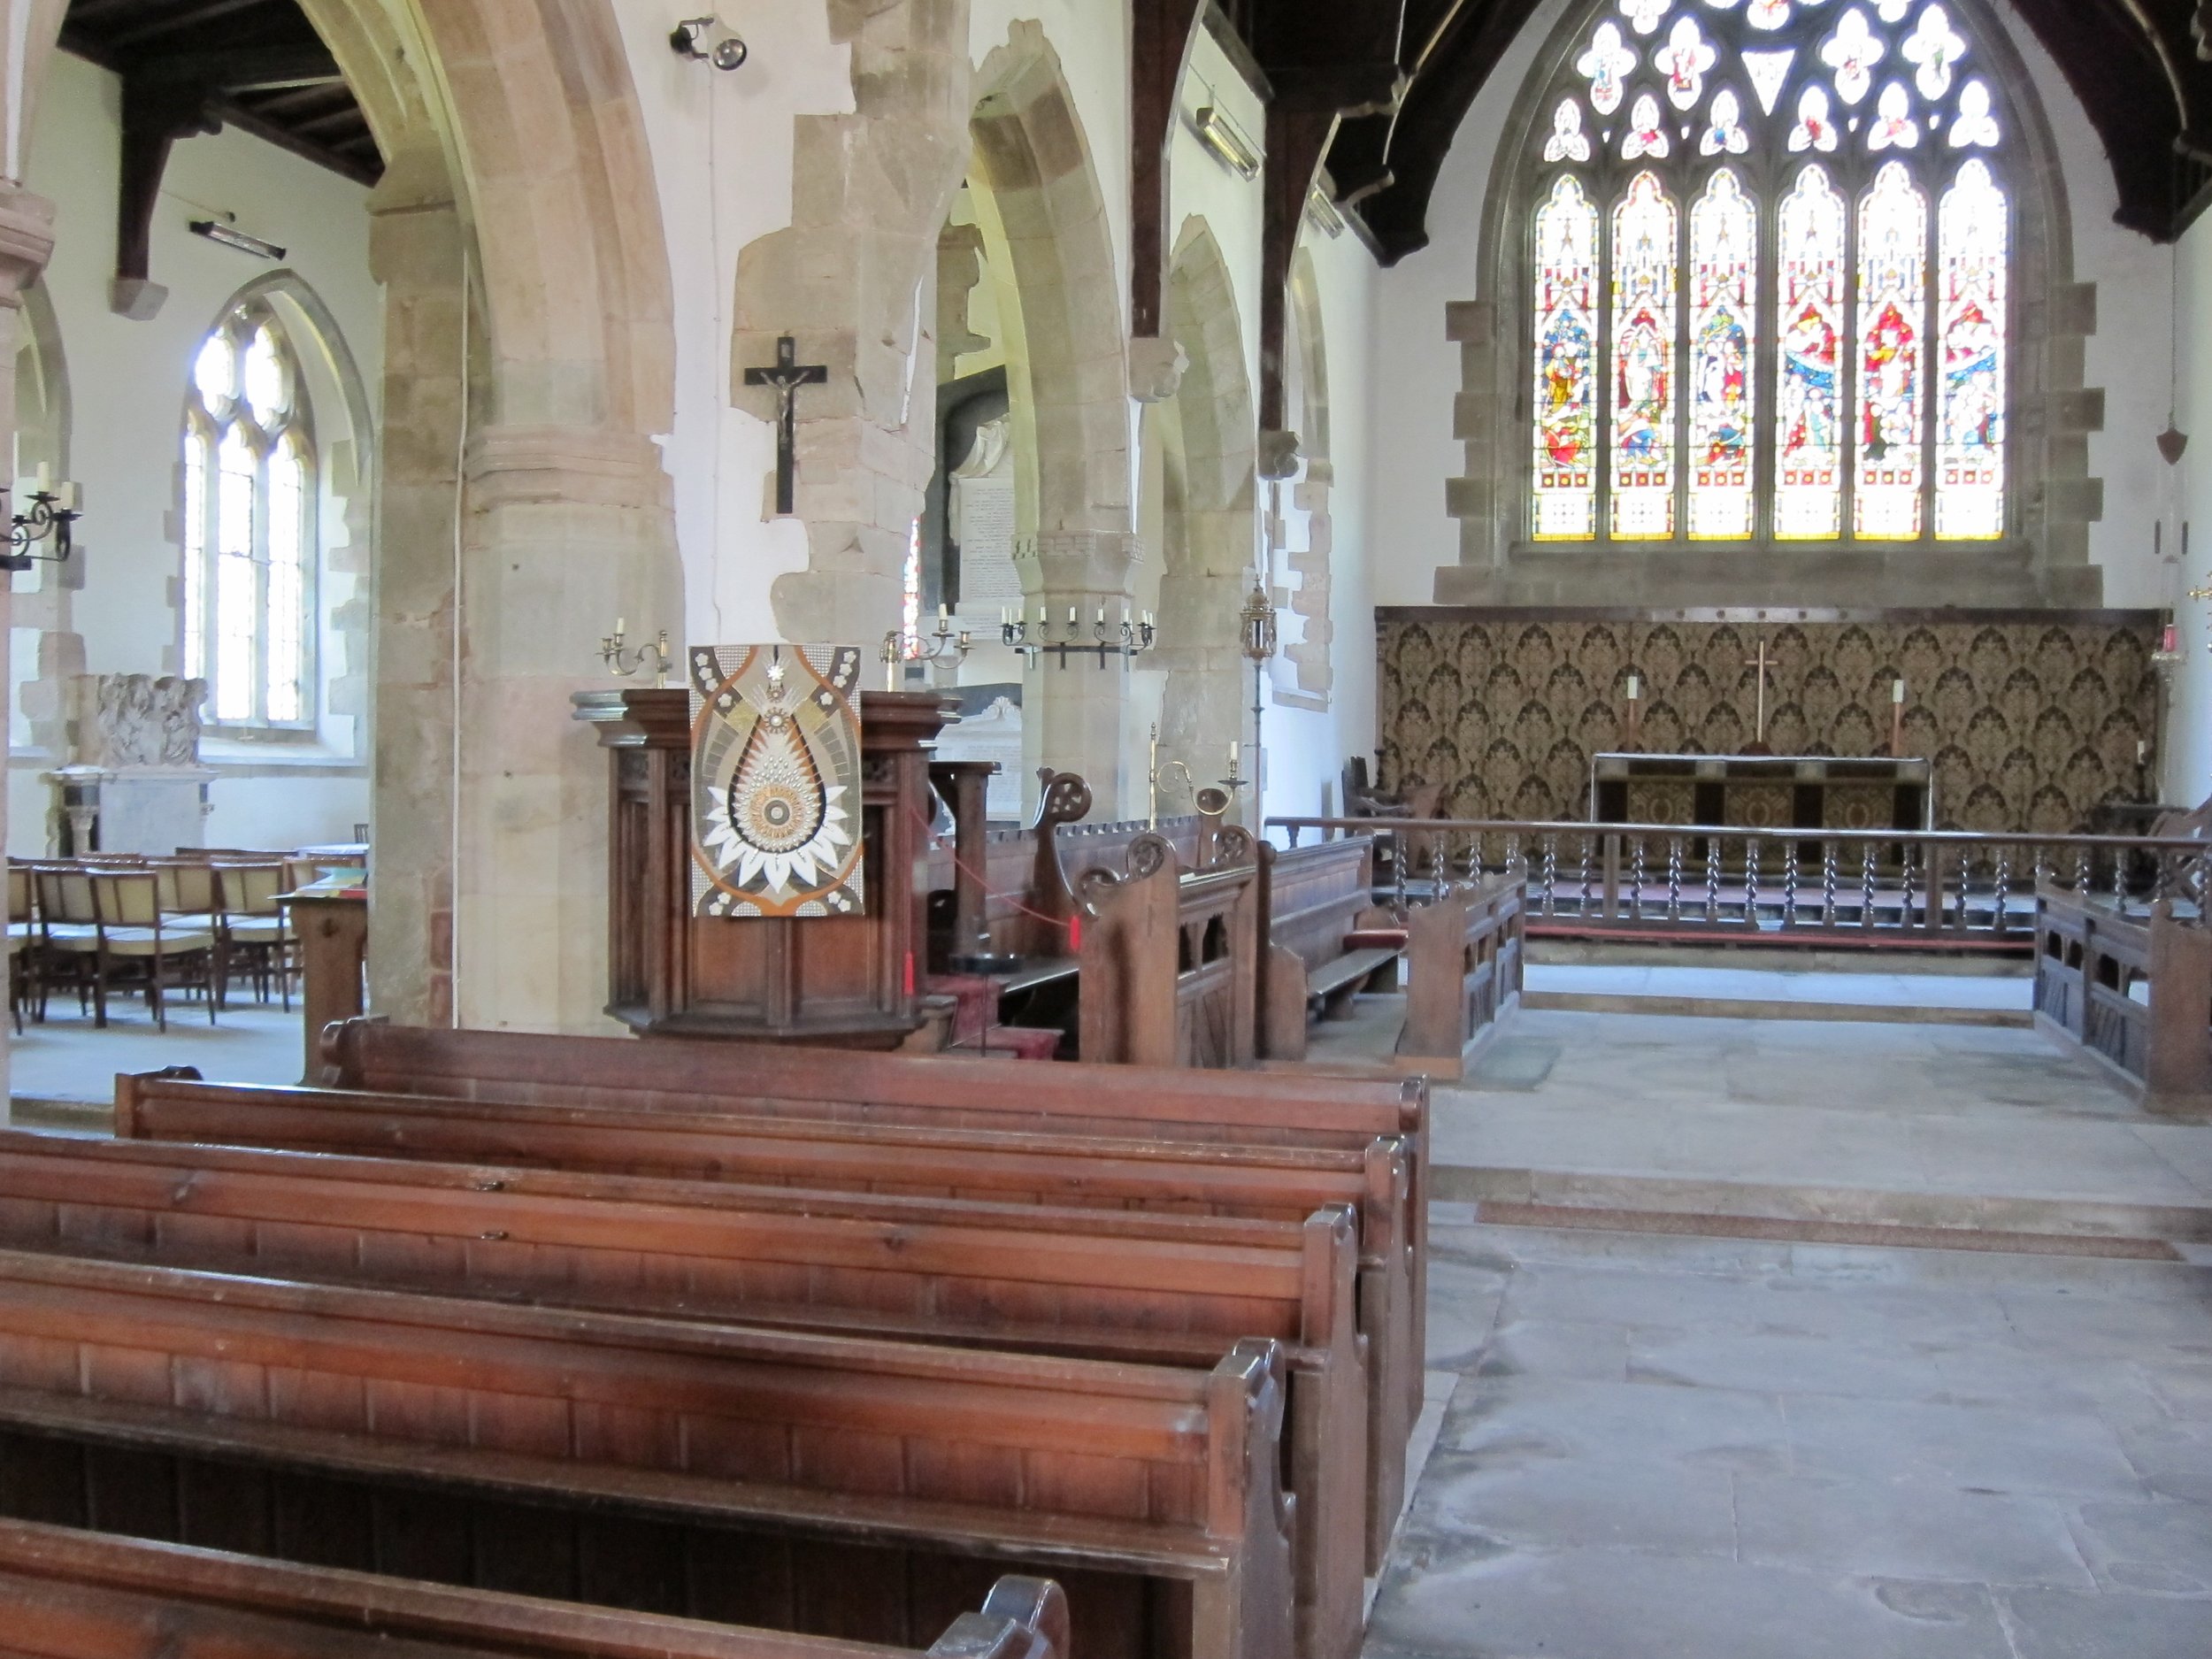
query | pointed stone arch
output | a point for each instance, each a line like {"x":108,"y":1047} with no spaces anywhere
{"x":1211,"y":521}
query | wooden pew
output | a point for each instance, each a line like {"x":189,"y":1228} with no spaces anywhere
{"x":1464,"y":975}
{"x":1327,"y":939}
{"x":76,"y":1594}
{"x":760,"y":1080}
{"x":1171,"y":958}
{"x":1098,"y":1283}
{"x":2092,"y":960}
{"x":996,"y":1166}
{"x":835,"y":1485}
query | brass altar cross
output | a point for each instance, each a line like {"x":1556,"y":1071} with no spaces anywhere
{"x":1763,"y":662}
{"x":788,"y":375}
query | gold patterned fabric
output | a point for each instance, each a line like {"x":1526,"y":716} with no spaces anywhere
{"x":2030,"y":724}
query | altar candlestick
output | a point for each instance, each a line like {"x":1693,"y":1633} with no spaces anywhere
{"x":1897,"y":692}
{"x":1897,"y":720}
{"x":1635,"y":707}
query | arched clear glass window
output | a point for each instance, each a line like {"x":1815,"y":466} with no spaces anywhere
{"x":1797,"y":215}
{"x":248,"y":514}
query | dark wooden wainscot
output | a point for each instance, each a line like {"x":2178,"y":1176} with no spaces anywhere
{"x":2132,"y":990}
{"x":841,"y":981}
{"x":1170,"y":959}
{"x":1465,"y":952}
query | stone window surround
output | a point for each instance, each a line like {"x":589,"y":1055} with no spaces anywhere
{"x":2052,"y":417}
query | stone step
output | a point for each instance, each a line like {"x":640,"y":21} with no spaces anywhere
{"x":1710,"y":1206}
{"x":1732,"y":1008}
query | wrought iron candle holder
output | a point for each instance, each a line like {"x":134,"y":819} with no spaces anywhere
{"x":623,"y":663}
{"x":1127,"y":638}
{"x":1210,"y":803}
{"x":50,"y":514}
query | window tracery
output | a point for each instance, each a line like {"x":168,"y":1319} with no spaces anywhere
{"x":1798,"y":213}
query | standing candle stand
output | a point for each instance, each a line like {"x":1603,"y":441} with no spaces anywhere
{"x":1897,"y":720}
{"x":1635,"y":710}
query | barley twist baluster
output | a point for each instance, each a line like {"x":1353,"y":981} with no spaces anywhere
{"x":2120,"y":880}
{"x":1636,"y":881}
{"x":1828,"y":884}
{"x":1904,"y":916}
{"x":1789,"y":884}
{"x":1551,"y":873}
{"x":1866,"y":884}
{"x":2041,"y":865}
{"x":2162,"y":877}
{"x":1712,"y":881}
{"x":2081,"y":872}
{"x":1751,"y":881}
{"x":2000,"y":921}
{"x":1674,"y":878}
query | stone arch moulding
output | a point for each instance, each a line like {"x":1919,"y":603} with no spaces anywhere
{"x":1208,"y":563}
{"x":1313,"y":673}
{"x":1035,"y":160}
{"x":2052,"y":414}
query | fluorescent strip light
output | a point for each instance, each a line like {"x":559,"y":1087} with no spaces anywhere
{"x":230,"y":236}
{"x":1230,"y":146}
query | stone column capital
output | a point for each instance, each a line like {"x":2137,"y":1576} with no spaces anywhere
{"x":596,"y":465}
{"x":26,"y":240}
{"x":1156,"y":367}
{"x":1078,"y":561}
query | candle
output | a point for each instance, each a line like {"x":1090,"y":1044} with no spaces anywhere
{"x":1071,"y":616}
{"x":943,"y":612}
{"x":1897,"y":693}
{"x":1635,"y":687}
{"x":1101,"y":617}
{"x":621,"y":626}
{"x":1236,"y":753}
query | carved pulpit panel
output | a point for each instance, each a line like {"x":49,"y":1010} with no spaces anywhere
{"x":844,"y":979}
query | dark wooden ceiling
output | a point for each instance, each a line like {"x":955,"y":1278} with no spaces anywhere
{"x":259,"y":64}
{"x":2133,"y":63}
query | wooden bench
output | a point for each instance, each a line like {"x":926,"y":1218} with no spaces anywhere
{"x":1171,"y":958}
{"x":76,"y":1594}
{"x":1099,"y":1284}
{"x":1465,"y":954}
{"x":2133,"y":991}
{"x":1326,"y":939}
{"x":761,"y":1080}
{"x":834,"y":1485}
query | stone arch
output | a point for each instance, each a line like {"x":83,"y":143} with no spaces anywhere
{"x":1032,"y":157}
{"x":1304,"y":674}
{"x":1212,"y":521}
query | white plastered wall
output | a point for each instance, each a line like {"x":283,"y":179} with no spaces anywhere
{"x":1414,"y":451}
{"x":126,"y":385}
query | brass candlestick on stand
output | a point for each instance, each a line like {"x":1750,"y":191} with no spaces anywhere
{"x":1635,"y":709}
{"x":612,"y":653}
{"x":1763,"y":661}
{"x":1897,"y":720}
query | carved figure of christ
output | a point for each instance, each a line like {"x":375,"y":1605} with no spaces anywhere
{"x":786,"y":377}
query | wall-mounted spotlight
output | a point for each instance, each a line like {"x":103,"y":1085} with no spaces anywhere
{"x":227,"y":233}
{"x":708,"y":41}
{"x":1227,"y":140}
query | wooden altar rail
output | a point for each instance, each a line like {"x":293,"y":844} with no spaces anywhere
{"x":1917,"y":890}
{"x":2091,"y":960}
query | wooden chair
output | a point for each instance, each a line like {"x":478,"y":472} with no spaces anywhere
{"x":68,"y":929}
{"x":23,"y":944}
{"x":191,"y":901}
{"x":127,"y":906}
{"x":254,"y":927}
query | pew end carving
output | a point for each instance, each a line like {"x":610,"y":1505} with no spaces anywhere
{"x":1170,"y":959}
{"x":1465,"y":952}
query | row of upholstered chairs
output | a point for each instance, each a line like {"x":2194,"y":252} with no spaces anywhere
{"x":187,"y":923}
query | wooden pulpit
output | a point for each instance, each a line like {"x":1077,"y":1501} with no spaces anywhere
{"x":841,"y":981}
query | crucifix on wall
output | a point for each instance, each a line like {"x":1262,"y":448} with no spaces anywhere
{"x":786,"y":377}
{"x":1762,"y":664}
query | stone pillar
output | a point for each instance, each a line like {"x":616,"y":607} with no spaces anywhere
{"x":415,"y":243}
{"x":1071,"y":715}
{"x":1208,"y":681}
{"x":567,"y":529}
{"x":26,"y":240}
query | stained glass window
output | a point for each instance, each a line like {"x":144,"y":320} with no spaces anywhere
{"x":1723,"y":276}
{"x":249,"y":517}
{"x":1796,"y":215}
{"x":1645,"y":295}
{"x":1970,"y":438}
{"x":1809,"y":420}
{"x":1892,"y":311}
{"x":1566,"y":365}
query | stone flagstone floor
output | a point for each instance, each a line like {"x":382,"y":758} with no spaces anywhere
{"x":1683,"y":1448}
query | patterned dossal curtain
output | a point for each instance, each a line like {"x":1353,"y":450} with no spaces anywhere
{"x":2030,"y":724}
